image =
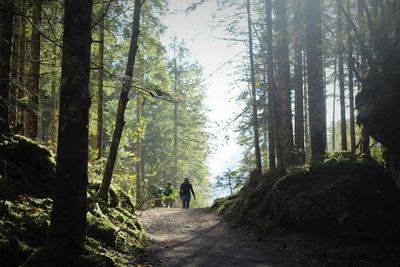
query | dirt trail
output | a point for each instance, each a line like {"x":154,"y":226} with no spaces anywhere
{"x":197,"y":237}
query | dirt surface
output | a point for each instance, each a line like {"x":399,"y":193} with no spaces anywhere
{"x":197,"y":237}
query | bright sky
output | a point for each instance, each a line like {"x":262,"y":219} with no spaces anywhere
{"x":213,"y":54}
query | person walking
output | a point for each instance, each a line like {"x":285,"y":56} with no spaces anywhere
{"x":184,"y":193}
{"x":168,"y":195}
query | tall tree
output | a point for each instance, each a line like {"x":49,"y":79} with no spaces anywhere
{"x":14,"y":70}
{"x":54,"y":93}
{"x":350,"y":65}
{"x":340,"y":53}
{"x":100,"y":88}
{"x":285,"y":127}
{"x":68,"y":217}
{"x":6,"y":30}
{"x":316,"y":100}
{"x":34,"y":82}
{"x":22,"y":62}
{"x":175,"y":116}
{"x":256,"y":134}
{"x":298,"y":83}
{"x":272,"y":129}
{"x":123,"y":101}
{"x":365,"y":139}
{"x":138,"y":150}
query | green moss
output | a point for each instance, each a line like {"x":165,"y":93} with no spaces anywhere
{"x":30,"y":167}
{"x":343,"y":194}
{"x":51,"y":258}
{"x":13,"y":252}
{"x":114,"y":234}
{"x":101,"y":229}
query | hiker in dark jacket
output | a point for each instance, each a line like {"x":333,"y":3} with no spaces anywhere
{"x":184,"y":193}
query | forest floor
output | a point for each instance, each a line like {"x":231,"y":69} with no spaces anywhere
{"x":198,"y":237}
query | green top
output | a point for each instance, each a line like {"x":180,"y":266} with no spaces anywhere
{"x":169,"y":192}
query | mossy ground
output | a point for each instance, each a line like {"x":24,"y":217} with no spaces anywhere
{"x":114,"y":234}
{"x":330,"y":214}
{"x":341,"y":194}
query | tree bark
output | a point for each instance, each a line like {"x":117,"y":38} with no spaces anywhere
{"x":100,"y":99}
{"x":334,"y":107}
{"x":264,"y":125}
{"x":35,"y":69}
{"x":285,"y":128}
{"x":22,"y":65}
{"x":365,"y":138}
{"x":298,"y":84}
{"x":14,"y":71}
{"x":6,"y":30}
{"x":316,"y":100}
{"x":123,"y":101}
{"x":340,"y":53}
{"x":350,"y":64}
{"x":54,"y":92}
{"x":138,"y":150}
{"x":272,"y":130}
{"x":175,"y":128}
{"x":68,"y":217}
{"x":256,"y":135}
{"x":307,"y":138}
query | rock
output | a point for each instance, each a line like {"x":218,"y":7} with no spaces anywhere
{"x":30,"y":167}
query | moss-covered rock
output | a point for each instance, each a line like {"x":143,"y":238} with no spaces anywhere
{"x":341,"y":195}
{"x":30,"y":167}
{"x":101,"y":229}
{"x":117,"y":197}
{"x":114,"y":234}
{"x":13,"y":252}
{"x":51,"y":258}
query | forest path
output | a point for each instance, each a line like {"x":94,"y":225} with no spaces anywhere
{"x":198,"y":237}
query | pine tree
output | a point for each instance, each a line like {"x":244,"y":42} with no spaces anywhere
{"x":298,"y":83}
{"x":68,"y":217}
{"x":285,"y":128}
{"x":272,"y":109}
{"x":123,"y":101}
{"x":316,"y":100}
{"x":340,"y":53}
{"x":253,"y":91}
{"x":6,"y":30}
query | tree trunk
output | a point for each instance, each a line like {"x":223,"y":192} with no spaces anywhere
{"x":123,"y":101}
{"x":316,"y":100}
{"x":285,"y":128}
{"x":365,"y":139}
{"x":272,"y":130}
{"x":100,"y":100}
{"x":138,"y":151}
{"x":14,"y":71}
{"x":22,"y":65}
{"x":307,"y":137}
{"x":350,"y":64}
{"x":54,"y":114}
{"x":68,"y":217}
{"x":35,"y":70}
{"x":334,"y":107}
{"x":6,"y":30}
{"x":264,"y":116}
{"x":340,"y":53}
{"x":256,"y":134}
{"x":175,"y":129}
{"x":298,"y":84}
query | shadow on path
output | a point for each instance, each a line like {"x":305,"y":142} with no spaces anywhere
{"x":197,"y":237}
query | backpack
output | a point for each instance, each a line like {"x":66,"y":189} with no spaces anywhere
{"x":167,"y":191}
